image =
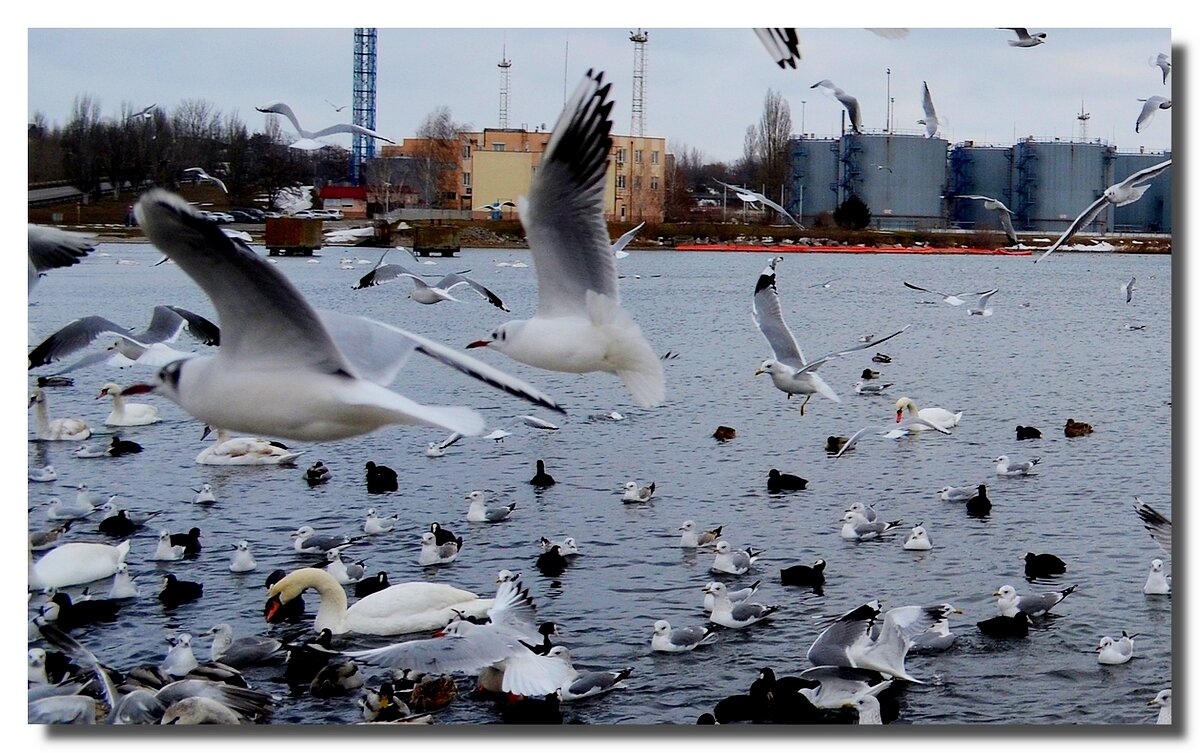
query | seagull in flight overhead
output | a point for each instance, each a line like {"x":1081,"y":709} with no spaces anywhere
{"x":788,"y":369}
{"x":748,"y":196}
{"x":1163,"y":61}
{"x":1004,"y":212}
{"x":1149,"y":110}
{"x":1024,"y":38}
{"x":308,"y":139}
{"x":1119,"y":194}
{"x":783,"y":45}
{"x":930,"y":121}
{"x":284,"y":369}
{"x":850,"y":103}
{"x":422,"y":291}
{"x":954,"y":300}
{"x":579,"y":325}
{"x":199,"y":172}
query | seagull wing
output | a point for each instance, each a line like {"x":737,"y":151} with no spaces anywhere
{"x":1147,"y":114}
{"x":378,"y":351}
{"x":280,"y":108}
{"x":1129,"y":289}
{"x":851,"y":105}
{"x":168,"y":321}
{"x":861,"y":346}
{"x":50,"y":248}
{"x":618,"y":246}
{"x":76,"y":335}
{"x":833,"y":644}
{"x":1158,"y":526}
{"x":985,"y":297}
{"x":931,"y":120}
{"x":455,"y":279}
{"x":563,"y":215}
{"x":768,"y":315}
{"x":263,"y":317}
{"x":349,"y":128}
{"x":1006,"y":222}
{"x":783,"y":45}
{"x":1081,"y":221}
{"x":1147,"y":174}
{"x":386,"y":273}
{"x":779,"y":209}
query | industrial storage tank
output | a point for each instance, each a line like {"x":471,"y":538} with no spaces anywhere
{"x":1151,"y":213}
{"x":901,"y":177}
{"x":814,"y":177}
{"x":979,"y":170}
{"x":1056,"y":180}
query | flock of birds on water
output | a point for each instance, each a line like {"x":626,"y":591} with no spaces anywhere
{"x":284,"y":370}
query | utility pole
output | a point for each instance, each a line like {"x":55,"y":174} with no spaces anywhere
{"x":889,"y":100}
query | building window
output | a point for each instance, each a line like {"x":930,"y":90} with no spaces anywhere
{"x":621,"y":156}
{"x":466,"y":151}
{"x":466,"y":179}
{"x":620,"y":181}
{"x":497,"y":147}
{"x":637,"y":156}
{"x":653,"y":182}
{"x":637,"y":182}
{"x":654,"y":157}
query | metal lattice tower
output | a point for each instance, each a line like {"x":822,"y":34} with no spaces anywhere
{"x":1083,"y":118}
{"x":363,"y":147}
{"x":637,"y":126}
{"x":505,"y":66}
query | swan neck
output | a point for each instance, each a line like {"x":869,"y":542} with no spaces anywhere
{"x":332,"y":611}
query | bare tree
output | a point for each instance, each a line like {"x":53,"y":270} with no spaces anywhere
{"x":385,"y":177}
{"x":83,"y":146}
{"x":437,"y":155}
{"x":771,"y":143}
{"x":45,"y":150}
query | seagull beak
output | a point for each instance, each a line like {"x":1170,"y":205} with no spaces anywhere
{"x":997,"y":593}
{"x":479,"y":344}
{"x":140,"y":388}
{"x":758,"y":372}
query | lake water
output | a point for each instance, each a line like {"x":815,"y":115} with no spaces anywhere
{"x":1057,"y":347}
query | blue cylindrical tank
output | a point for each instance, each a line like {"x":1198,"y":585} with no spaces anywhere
{"x":814,"y":177}
{"x":901,"y":177}
{"x":979,"y":170}
{"x":1056,"y":180}
{"x":1151,"y":213}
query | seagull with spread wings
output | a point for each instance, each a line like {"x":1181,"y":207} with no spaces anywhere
{"x":307,"y":140}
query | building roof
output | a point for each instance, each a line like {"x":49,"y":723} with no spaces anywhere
{"x":344,"y":192}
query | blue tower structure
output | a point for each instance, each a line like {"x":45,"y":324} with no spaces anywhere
{"x":363,"y":147}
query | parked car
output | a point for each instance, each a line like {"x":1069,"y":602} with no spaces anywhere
{"x":218,"y":217}
{"x":254,"y":215}
{"x":309,"y":214}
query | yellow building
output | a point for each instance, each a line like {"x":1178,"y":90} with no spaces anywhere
{"x":497,"y":165}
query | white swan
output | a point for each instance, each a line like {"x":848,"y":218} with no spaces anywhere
{"x":127,"y":414}
{"x":399,"y":608}
{"x":75,"y":563}
{"x":59,"y":429}
{"x":227,"y":450}
{"x":939,"y":416}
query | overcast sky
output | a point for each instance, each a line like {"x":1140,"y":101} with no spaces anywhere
{"x":703,"y":87}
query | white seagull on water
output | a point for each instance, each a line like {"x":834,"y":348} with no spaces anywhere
{"x":283,"y":369}
{"x":788,"y":369}
{"x":308,"y":139}
{"x":579,"y":326}
{"x":1118,"y":195}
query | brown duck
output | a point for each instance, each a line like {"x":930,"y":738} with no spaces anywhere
{"x":1076,"y":428}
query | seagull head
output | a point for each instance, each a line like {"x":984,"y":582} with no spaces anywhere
{"x":500,"y":338}
{"x":769,"y":366}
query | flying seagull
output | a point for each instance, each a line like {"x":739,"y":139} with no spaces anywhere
{"x":284,"y":369}
{"x":579,"y":326}
{"x":1004,"y":212}
{"x":424,"y":292}
{"x":618,"y":246}
{"x":1024,"y":38}
{"x":199,"y":172}
{"x":1163,"y":62}
{"x":1149,"y":110}
{"x":850,"y":103}
{"x":930,"y":121}
{"x":1119,"y":194}
{"x":748,"y":196}
{"x":308,"y":139}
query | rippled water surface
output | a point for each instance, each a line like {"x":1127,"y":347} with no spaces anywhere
{"x":1057,"y":347}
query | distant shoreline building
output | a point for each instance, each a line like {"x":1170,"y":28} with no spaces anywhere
{"x":498,"y":164}
{"x":908,"y":181}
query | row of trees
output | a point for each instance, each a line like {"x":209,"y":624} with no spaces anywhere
{"x":135,"y":148}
